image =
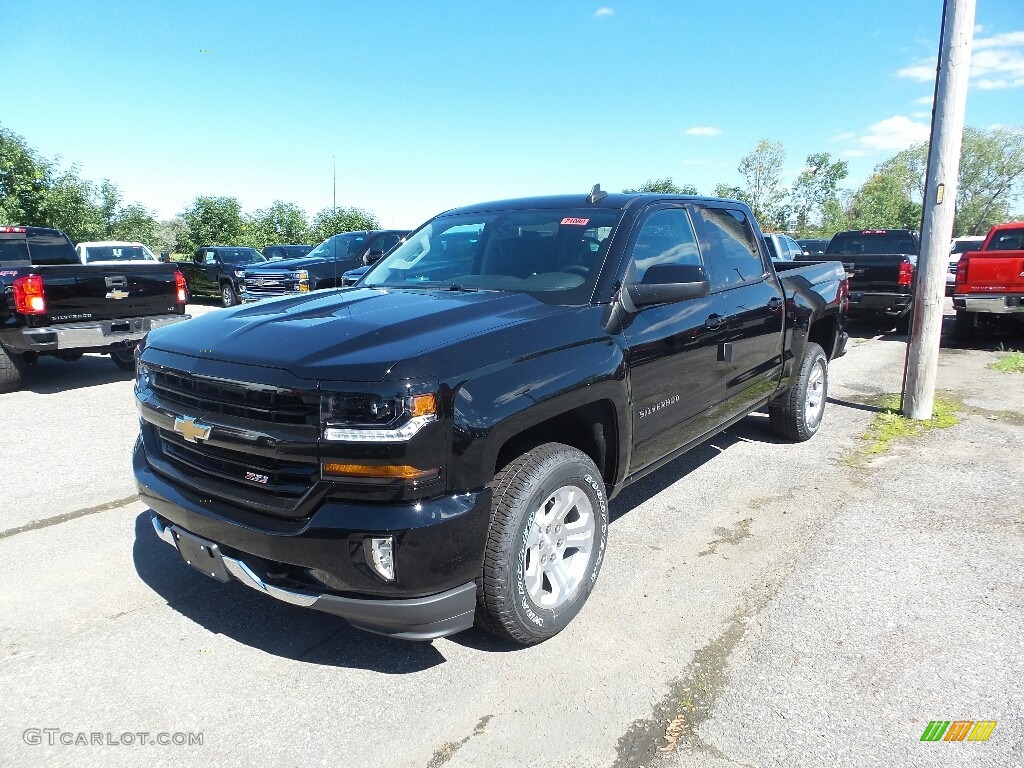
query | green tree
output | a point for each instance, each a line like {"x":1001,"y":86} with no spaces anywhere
{"x":24,"y":181}
{"x":991,"y":178}
{"x":331,"y":221}
{"x":280,"y":223}
{"x":884,"y":201}
{"x":815,"y":194}
{"x":726,"y":191}
{"x":211,"y":221}
{"x":764,"y":192}
{"x":664,"y":186}
{"x":134,"y":222}
{"x":69,"y":204}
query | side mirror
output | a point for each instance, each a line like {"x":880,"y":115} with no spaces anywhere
{"x":668,"y":283}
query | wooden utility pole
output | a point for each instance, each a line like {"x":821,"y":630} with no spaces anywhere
{"x":939,"y":206}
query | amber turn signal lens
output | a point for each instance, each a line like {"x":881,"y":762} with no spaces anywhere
{"x":423,"y":405}
{"x":390,"y":471}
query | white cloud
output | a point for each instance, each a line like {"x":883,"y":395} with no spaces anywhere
{"x":997,"y":62}
{"x":897,"y":132}
{"x":924,"y":101}
{"x":604,"y":11}
{"x":921,"y":115}
{"x":703,"y":130}
{"x":845,"y":136}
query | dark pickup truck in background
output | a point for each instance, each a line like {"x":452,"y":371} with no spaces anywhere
{"x":437,"y":445}
{"x":882,"y":265}
{"x":52,"y":304}
{"x":322,"y":267}
{"x":217,"y":270}
{"x":989,"y":286}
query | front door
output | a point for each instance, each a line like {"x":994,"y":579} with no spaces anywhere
{"x":671,"y":348}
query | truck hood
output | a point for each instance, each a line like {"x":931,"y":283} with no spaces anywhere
{"x":351,"y":334}
{"x":285,"y":264}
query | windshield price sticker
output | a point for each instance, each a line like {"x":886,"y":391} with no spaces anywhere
{"x":576,"y":222}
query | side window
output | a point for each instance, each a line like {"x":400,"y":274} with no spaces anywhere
{"x":729,"y":246}
{"x":667,"y":237}
{"x":385,"y":243}
{"x":209,"y":257}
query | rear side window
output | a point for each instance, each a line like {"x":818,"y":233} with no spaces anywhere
{"x":13,"y":248}
{"x":51,"y":248}
{"x":729,"y":245}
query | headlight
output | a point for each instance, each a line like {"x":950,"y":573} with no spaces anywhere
{"x":141,"y":375}
{"x":363,"y":417}
{"x":239,"y":273}
{"x":302,"y":277}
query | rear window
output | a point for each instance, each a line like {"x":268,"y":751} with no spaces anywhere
{"x":1008,"y":240}
{"x":13,"y":248}
{"x":51,"y":248}
{"x":871,"y":244}
{"x":118,"y":253}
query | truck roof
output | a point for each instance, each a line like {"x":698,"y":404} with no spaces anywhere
{"x":610,"y":200}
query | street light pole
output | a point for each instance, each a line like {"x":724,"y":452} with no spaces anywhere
{"x":939,"y":207}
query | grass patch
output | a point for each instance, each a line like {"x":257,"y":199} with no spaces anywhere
{"x":889,"y":425}
{"x":1012,"y":363}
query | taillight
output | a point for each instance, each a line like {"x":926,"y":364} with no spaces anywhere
{"x":961,"y":270}
{"x":180,"y":287}
{"x":29,"y":297}
{"x":906,"y":273}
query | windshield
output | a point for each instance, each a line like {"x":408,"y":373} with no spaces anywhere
{"x":240,"y":255}
{"x":340,"y":246}
{"x":554,"y":255}
{"x":118,"y":253}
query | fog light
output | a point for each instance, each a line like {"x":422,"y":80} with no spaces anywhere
{"x":380,"y":554}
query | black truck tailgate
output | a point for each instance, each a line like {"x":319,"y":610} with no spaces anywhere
{"x":102,"y":292}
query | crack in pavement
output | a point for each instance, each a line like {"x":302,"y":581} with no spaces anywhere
{"x":446,"y":751}
{"x":35,"y":525}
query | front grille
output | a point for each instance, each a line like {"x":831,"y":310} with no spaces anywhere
{"x":283,"y":477}
{"x":272,"y":405}
{"x":269,"y":283}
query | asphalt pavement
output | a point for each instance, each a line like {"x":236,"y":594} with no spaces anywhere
{"x":777,"y":604}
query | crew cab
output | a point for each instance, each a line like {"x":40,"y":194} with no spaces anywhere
{"x":217,"y":270}
{"x":882,"y":265}
{"x":989,"y":286}
{"x":322,"y":268}
{"x":437,"y":445}
{"x":52,"y":304}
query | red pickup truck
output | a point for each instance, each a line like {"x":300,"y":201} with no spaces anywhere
{"x":990,"y":282}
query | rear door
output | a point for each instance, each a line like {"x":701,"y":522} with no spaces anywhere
{"x":751,"y":298}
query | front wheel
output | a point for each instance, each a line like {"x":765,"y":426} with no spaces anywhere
{"x":123,"y":358}
{"x":798,"y":414}
{"x":547,"y":538}
{"x":228,"y":297}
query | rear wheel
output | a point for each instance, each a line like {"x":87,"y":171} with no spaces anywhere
{"x":123,"y":358}
{"x":11,"y":367}
{"x":548,"y":532}
{"x":228,"y":297}
{"x":965,"y":326}
{"x":798,"y":414}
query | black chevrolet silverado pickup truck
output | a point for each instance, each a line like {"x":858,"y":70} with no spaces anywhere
{"x":322,"y":267}
{"x":882,"y":265}
{"x":216,"y":270}
{"x":52,"y":304}
{"x":437,"y":445}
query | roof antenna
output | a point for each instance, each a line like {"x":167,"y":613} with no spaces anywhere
{"x":596,"y":195}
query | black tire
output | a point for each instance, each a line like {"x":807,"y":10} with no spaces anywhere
{"x":965,"y":326}
{"x":903,"y":323}
{"x":12,"y":365}
{"x":529,"y":485}
{"x":228,"y":297}
{"x":790,"y":416}
{"x":124,"y":358}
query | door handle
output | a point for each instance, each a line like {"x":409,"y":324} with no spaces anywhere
{"x":774,"y":303}
{"x":714,"y":321}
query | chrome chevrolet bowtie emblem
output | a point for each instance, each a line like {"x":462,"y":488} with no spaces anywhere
{"x":186,"y":427}
{"x":117,"y":293}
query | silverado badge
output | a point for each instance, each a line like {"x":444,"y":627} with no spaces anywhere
{"x":117,"y":293}
{"x":188,"y":428}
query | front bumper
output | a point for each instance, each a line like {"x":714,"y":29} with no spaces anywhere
{"x":1003,"y":304}
{"x":96,"y":334}
{"x":251,"y":296}
{"x":319,"y":562}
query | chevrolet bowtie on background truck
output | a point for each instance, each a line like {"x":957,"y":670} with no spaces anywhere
{"x":52,"y":304}
{"x":438,"y":444}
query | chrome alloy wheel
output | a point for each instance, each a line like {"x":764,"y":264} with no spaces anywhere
{"x":814,"y":403}
{"x":558,"y":547}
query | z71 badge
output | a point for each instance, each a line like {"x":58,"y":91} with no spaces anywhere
{"x":256,"y":477}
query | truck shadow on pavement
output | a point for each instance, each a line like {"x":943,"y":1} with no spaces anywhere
{"x":50,"y":376}
{"x":277,"y":628}
{"x":284,"y":630}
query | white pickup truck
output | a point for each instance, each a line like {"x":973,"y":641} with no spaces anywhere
{"x":114,"y":252}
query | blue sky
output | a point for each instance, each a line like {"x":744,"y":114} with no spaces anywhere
{"x":429,"y":105}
